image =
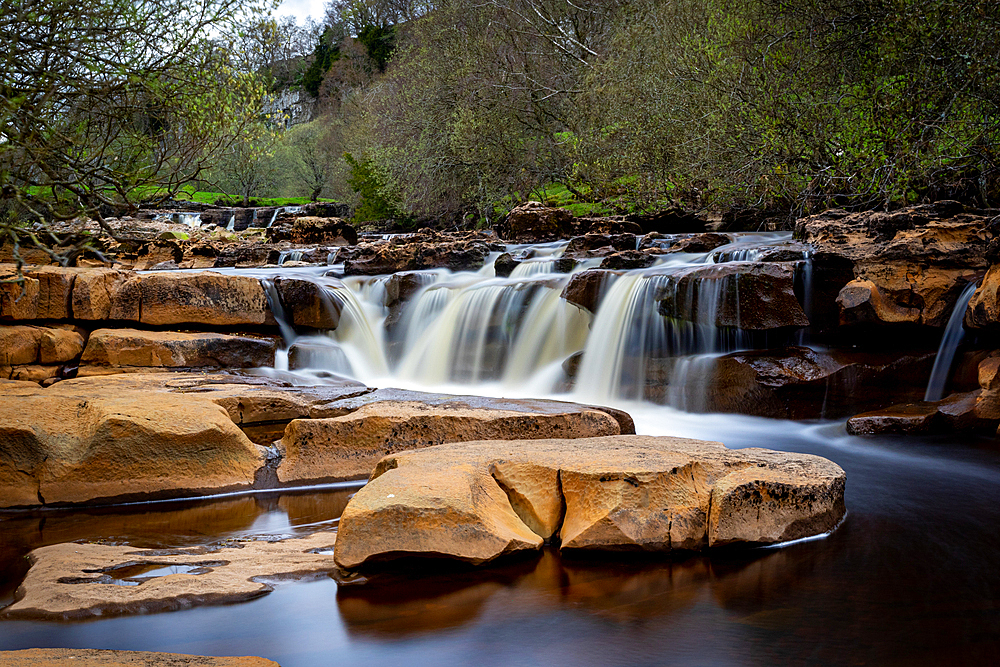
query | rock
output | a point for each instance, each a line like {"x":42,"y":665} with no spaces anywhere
{"x":632,"y":493}
{"x":917,"y":260}
{"x":701,"y":243}
{"x":911,"y":418}
{"x":59,"y":346}
{"x":62,"y":445}
{"x":30,"y":373}
{"x":668,"y":221}
{"x":309,"y":304}
{"x":55,"y":288}
{"x":800,"y":383}
{"x":631,"y":259}
{"x":201,"y":298}
{"x":312,"y":229}
{"x":533,"y":222}
{"x":505,"y":265}
{"x":174,"y":236}
{"x":348,"y":447}
{"x":18,"y":300}
{"x":87,"y":657}
{"x":984,"y":308}
{"x":744,"y":295}
{"x":94,"y":292}
{"x":373,"y":259}
{"x":77,"y":581}
{"x":586,"y":288}
{"x":580,"y":245}
{"x":19,"y":345}
{"x":131,"y":347}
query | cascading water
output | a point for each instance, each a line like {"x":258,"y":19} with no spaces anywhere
{"x":656,"y":334}
{"x":954,"y":332}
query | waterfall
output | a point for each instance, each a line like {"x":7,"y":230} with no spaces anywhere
{"x":954,"y":332}
{"x":289,"y":256}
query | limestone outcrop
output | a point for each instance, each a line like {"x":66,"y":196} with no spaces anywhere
{"x":478,"y":501}
{"x":167,"y":349}
{"x":78,"y":581}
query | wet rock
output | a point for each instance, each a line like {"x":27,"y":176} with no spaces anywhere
{"x":919,"y":259}
{"x":586,"y":288}
{"x":748,"y":296}
{"x":631,"y":259}
{"x":984,"y":308}
{"x":78,"y":581}
{"x":308,"y":304}
{"x":348,"y":447}
{"x":668,"y":221}
{"x":862,"y":302}
{"x":312,"y":229}
{"x":800,"y":383}
{"x":384,"y":258}
{"x":401,"y":287}
{"x":131,"y":347}
{"x":633,"y":493}
{"x":533,"y":222}
{"x":49,"y":657}
{"x":910,"y":418}
{"x":580,"y":245}
{"x":701,"y":243}
{"x":505,"y":265}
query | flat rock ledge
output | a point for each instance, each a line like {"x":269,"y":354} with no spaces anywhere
{"x":78,"y":581}
{"x":88,"y":657}
{"x":477,"y":501}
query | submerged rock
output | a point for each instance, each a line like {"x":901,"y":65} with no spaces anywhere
{"x":88,"y":657}
{"x":78,"y":581}
{"x":478,"y":501}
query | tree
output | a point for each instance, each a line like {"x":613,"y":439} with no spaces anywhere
{"x":105,"y":104}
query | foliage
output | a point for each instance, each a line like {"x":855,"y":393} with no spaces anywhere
{"x":326,"y":53}
{"x":365,"y":180}
{"x":379,"y":42}
{"x":98,"y":102}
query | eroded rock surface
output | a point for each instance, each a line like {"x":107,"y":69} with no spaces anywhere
{"x":87,"y":657}
{"x":168,"y":349}
{"x":478,"y":501}
{"x":76,"y":581}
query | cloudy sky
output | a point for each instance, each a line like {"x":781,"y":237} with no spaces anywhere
{"x":300,"y":9}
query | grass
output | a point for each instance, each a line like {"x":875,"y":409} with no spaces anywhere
{"x":202,"y":197}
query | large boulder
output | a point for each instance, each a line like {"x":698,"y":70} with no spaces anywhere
{"x":348,"y":447}
{"x":586,"y":288}
{"x":95,"y":291}
{"x":201,"y":298}
{"x":909,"y":266}
{"x":477,"y":501}
{"x":801,"y":383}
{"x":312,"y":229}
{"x":533,"y":222}
{"x":383,"y":258}
{"x":168,"y":349}
{"x":743,"y":295}
{"x":64,"y":446}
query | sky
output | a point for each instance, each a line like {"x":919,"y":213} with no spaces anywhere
{"x":300,"y":9}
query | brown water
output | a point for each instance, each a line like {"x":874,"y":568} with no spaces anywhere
{"x":911,"y":577}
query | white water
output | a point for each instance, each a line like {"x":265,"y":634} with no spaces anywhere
{"x":474,"y":332}
{"x":954,"y":332}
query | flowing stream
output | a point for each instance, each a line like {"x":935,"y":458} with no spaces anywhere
{"x":912,"y":577}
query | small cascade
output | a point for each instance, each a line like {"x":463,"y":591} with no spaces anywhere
{"x":954,"y":332}
{"x":533,"y":267}
{"x":359,"y":332}
{"x":231,"y":226}
{"x":278,"y":211}
{"x":192,"y":220}
{"x":289,"y":256}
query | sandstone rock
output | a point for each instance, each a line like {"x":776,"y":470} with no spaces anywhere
{"x":382,"y":258}
{"x":50,"y":657}
{"x":77,"y":581}
{"x":18,"y":300}
{"x":402,"y":286}
{"x":744,"y":295}
{"x":312,"y":229}
{"x":630,"y":259}
{"x":505,"y":265}
{"x":63,"y":445}
{"x":668,"y":221}
{"x":29,"y":373}
{"x":59,"y":346}
{"x":586,"y":288}
{"x":131,"y":347}
{"x":202,"y":298}
{"x":94,"y":292}
{"x":309,"y":304}
{"x":533,"y":222}
{"x":348,"y":447}
{"x":19,"y":345}
{"x":984,"y":308}
{"x":702,"y":243}
{"x":863,"y":302}
{"x":918,"y":259}
{"x":619,"y":493}
{"x":800,"y":383}
{"x":55,"y":288}
{"x":911,"y":418}
{"x":592,"y":241}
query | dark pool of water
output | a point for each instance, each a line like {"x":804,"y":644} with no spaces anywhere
{"x":912,"y":577}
